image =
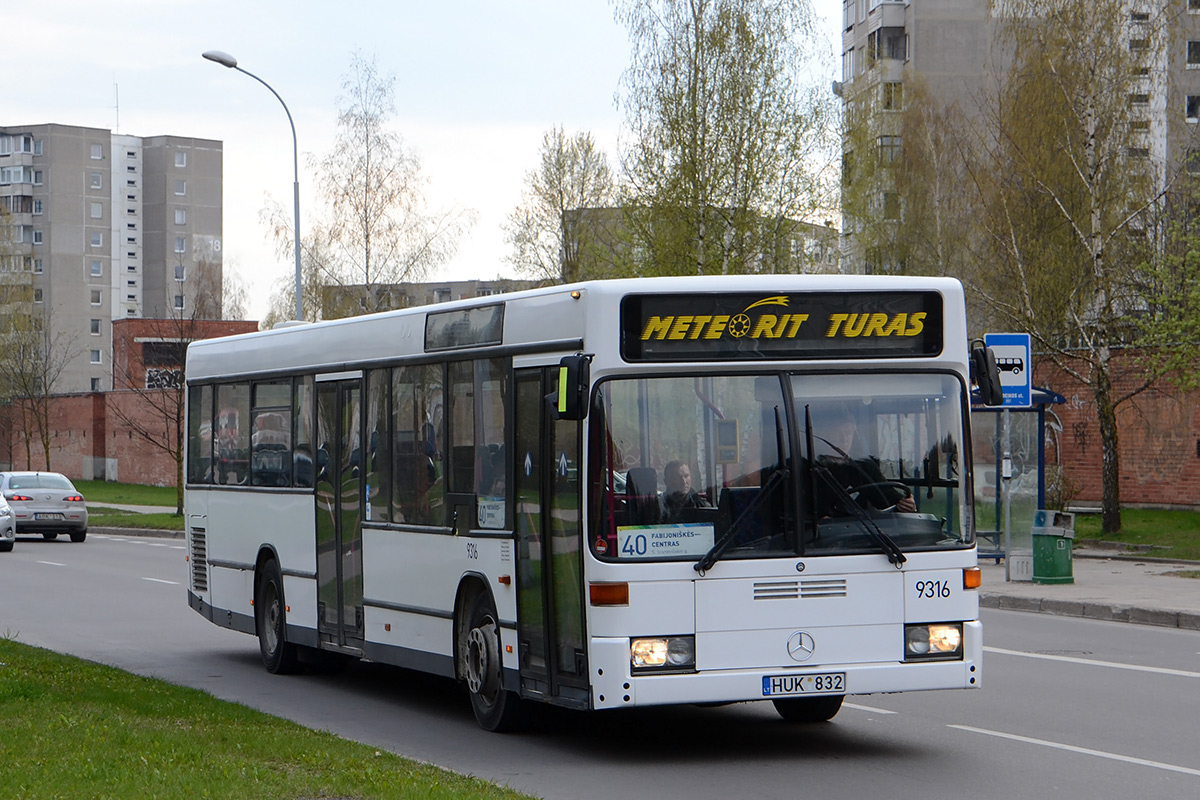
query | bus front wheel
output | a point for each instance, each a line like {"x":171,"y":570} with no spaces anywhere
{"x":270,"y":614}
{"x":496,"y":709}
{"x":808,"y":709}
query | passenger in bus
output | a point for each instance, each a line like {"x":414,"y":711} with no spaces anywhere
{"x":678,"y":493}
{"x":834,"y":431}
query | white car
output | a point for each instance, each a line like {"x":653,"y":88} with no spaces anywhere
{"x":8,"y":526}
{"x":46,"y":503}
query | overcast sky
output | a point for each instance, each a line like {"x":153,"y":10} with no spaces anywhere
{"x":477,"y":84}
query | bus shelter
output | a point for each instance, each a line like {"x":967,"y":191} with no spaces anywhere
{"x":1024,"y":472}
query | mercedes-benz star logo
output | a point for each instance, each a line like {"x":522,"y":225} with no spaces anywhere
{"x":800,"y":645}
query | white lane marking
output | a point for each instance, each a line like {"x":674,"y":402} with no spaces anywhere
{"x":1083,"y":750}
{"x":52,"y":563}
{"x":1182,"y":673}
{"x":160,"y":580}
{"x":871,"y":709}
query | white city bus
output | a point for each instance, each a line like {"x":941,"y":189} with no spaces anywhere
{"x":490,"y":490}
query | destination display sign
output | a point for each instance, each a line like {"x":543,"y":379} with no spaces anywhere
{"x":797,"y":325}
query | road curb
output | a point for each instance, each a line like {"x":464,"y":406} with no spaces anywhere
{"x":156,"y":533}
{"x":1102,"y":611}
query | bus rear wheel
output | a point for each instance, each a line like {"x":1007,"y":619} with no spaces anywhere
{"x":496,"y":709}
{"x":270,"y":615}
{"x":808,"y":709}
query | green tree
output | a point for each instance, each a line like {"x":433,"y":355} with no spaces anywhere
{"x":731,"y":142}
{"x":550,"y":227}
{"x":1074,"y":209}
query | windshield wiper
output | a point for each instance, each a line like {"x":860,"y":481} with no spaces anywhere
{"x":886,"y":543}
{"x":706,"y":562}
{"x":710,"y":558}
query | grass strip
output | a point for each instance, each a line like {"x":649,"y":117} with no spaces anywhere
{"x":75,"y":729}
{"x":1173,"y":534}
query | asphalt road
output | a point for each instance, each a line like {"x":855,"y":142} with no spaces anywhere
{"x":1070,"y":708}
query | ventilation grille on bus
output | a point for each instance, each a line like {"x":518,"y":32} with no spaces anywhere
{"x":199,"y":561}
{"x":795,"y":590}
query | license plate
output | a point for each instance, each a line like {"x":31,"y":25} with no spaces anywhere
{"x":48,"y":516}
{"x":817,"y":683}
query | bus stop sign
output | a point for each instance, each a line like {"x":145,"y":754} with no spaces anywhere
{"x":1012,"y":352}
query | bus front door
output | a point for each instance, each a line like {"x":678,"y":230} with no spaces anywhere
{"x":552,"y":653}
{"x":339,"y":513}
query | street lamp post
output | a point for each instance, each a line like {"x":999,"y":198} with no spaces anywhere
{"x":226,"y":60}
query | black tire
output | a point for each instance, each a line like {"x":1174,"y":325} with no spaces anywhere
{"x":6,"y":547}
{"x":78,"y":536}
{"x":270,"y":617}
{"x":49,"y":537}
{"x":495,"y":708}
{"x":809,"y":709}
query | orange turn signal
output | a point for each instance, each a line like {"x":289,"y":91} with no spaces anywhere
{"x":972,"y":578}
{"x":504,"y":579}
{"x":608,"y":594}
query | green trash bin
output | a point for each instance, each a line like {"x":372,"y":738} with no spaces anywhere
{"x":1053,"y":541}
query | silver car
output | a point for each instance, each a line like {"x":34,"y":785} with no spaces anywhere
{"x":8,"y":526}
{"x":46,"y":503}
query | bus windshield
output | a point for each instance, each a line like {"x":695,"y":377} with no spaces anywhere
{"x":777,"y":465}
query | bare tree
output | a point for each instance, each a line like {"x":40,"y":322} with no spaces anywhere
{"x":377,"y":229}
{"x":545,"y":230}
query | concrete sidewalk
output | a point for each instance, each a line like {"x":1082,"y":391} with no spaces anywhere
{"x":1120,"y":588}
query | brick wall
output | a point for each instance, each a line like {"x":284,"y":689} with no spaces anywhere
{"x":1158,"y":439}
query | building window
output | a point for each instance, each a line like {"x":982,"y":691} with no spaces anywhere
{"x":97,"y":152}
{"x":95,"y":384}
{"x":1139,"y":99}
{"x":1193,"y":108}
{"x":37,"y":266}
{"x":181,"y":216}
{"x":179,"y":302}
{"x":889,"y":149}
{"x":97,"y":239}
{"x":37,"y":294}
{"x":96,"y":297}
{"x":96,"y":357}
{"x":1194,"y":6}
{"x":1141,"y":125}
{"x":180,"y":272}
{"x":181,"y":159}
{"x":1193,"y":55}
{"x":38,"y":206}
{"x":180,"y":188}
{"x":97,"y":180}
{"x":97,"y":211}
{"x":95,"y":330}
{"x":1139,"y":152}
{"x":1193,"y":162}
{"x":1138,"y":45}
{"x":893,"y":96}
{"x":97,"y":267}
{"x":180,"y":244}
{"x":37,"y":237}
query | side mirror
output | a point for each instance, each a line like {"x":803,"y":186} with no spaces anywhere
{"x":569,"y":400}
{"x":985,"y":374}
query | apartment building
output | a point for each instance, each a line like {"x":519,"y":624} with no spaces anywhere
{"x":952,"y":48}
{"x":107,"y":226}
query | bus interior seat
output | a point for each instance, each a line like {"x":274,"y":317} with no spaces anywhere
{"x":733,"y":502}
{"x":641,"y":495}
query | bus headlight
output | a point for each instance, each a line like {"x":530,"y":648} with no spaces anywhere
{"x":933,"y":641}
{"x":662,"y":652}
